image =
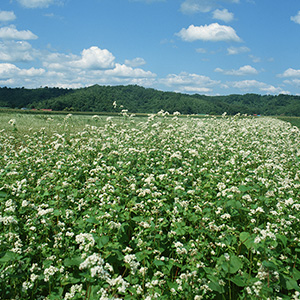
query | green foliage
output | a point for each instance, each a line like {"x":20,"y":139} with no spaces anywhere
{"x":293,"y":120}
{"x":141,"y":100}
{"x":21,"y":97}
{"x":149,"y":208}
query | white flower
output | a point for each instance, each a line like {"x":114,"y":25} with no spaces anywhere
{"x":85,"y":240}
{"x":48,"y":272}
{"x":289,"y":201}
{"x":7,"y":220}
{"x":227,"y":256}
{"x":131,"y":260}
{"x":12,"y":122}
{"x":25,"y":203}
{"x":226,"y":216}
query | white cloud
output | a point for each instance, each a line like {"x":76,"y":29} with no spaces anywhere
{"x":11,"y":33}
{"x":31,"y":72}
{"x":296,"y":18}
{"x":213,"y":32}
{"x":237,"y":50}
{"x":249,"y":85}
{"x":242,"y":71}
{"x":201,"y":6}
{"x":294,"y":82}
{"x":290,"y":73}
{"x":20,"y":51}
{"x":223,"y":15}
{"x":93,"y":66}
{"x":95,"y":58}
{"x":7,"y":16}
{"x":201,"y":50}
{"x":195,"y":89}
{"x":35,"y":3}
{"x":125,"y":71}
{"x":8,"y":71}
{"x":195,"y":6}
{"x":136,"y":62}
{"x":186,"y":82}
{"x":255,"y":59}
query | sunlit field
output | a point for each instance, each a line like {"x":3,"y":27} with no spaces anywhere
{"x":161,"y":207}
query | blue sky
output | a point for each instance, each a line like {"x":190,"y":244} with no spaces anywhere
{"x":212,"y":47}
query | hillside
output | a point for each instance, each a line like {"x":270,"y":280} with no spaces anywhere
{"x":146,"y":100}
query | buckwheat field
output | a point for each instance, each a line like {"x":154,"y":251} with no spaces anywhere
{"x":164,"y":207}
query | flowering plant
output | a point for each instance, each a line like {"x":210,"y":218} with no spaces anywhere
{"x":163,"y":208}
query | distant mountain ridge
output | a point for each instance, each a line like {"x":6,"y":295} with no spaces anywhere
{"x":137,"y":99}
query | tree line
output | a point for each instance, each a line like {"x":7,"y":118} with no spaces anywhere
{"x":137,"y":99}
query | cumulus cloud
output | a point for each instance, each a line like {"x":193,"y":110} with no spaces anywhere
{"x":213,"y":32}
{"x":223,"y":15}
{"x":203,"y":6}
{"x":295,"y":82}
{"x":290,"y":72}
{"x":296,"y":18}
{"x":7,"y":16}
{"x":125,"y":71}
{"x":186,"y":82}
{"x":17,"y":51}
{"x":35,"y":3}
{"x":11,"y":33}
{"x":237,"y":50}
{"x":242,"y":71}
{"x":95,"y":58}
{"x":136,"y":62}
{"x":8,"y":71}
{"x":249,"y":85}
{"x":93,"y":66}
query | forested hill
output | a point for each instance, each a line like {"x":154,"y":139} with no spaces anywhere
{"x":145,"y":100}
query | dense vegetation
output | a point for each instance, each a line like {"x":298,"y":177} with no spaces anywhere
{"x":128,"y":208}
{"x":21,"y":97}
{"x":138,"y":99}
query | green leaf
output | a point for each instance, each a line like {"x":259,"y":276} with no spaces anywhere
{"x":3,"y":194}
{"x":8,"y":256}
{"x":70,"y":280}
{"x":238,"y":280}
{"x":269,"y":264}
{"x":215,"y":286}
{"x":244,"y":188}
{"x":76,"y":261}
{"x":102,"y":241}
{"x":291,"y":284}
{"x":56,"y":212}
{"x":246,"y":239}
{"x":158,"y":262}
{"x":92,"y":220}
{"x":233,"y":204}
{"x":282,"y":238}
{"x":46,"y":193}
{"x":234,"y":264}
{"x":296,"y":274}
{"x":140,"y":256}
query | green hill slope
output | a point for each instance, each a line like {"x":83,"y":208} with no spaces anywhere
{"x":138,"y":99}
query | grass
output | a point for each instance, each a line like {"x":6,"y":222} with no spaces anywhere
{"x":295,"y":121}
